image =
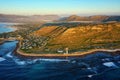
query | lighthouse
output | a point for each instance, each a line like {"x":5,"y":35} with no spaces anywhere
{"x":66,"y":49}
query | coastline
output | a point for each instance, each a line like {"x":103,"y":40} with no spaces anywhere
{"x":51,"y":55}
{"x":20,"y":53}
{"x":1,"y":42}
{"x":11,"y":26}
{"x":14,"y":26}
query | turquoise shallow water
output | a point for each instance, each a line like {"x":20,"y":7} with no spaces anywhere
{"x":4,"y":27}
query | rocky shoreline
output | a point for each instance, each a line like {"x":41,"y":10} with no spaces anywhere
{"x":75,"y":54}
{"x":19,"y":53}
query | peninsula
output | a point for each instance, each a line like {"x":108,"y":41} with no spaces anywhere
{"x":65,"y":39}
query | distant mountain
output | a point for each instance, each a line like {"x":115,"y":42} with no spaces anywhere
{"x":33,"y":18}
{"x":113,"y":18}
{"x":49,"y":18}
{"x":91,"y":18}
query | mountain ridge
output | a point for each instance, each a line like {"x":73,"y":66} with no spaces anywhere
{"x":102,"y":18}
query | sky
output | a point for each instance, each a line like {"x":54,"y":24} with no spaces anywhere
{"x":60,"y":7}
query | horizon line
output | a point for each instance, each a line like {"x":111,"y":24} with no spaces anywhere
{"x":61,"y":14}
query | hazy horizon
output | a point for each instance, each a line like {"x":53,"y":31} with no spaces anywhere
{"x":60,"y":7}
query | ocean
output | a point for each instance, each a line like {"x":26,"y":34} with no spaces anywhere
{"x":98,"y":66}
{"x":5,"y":27}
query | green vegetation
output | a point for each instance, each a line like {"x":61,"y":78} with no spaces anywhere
{"x":86,"y":37}
{"x":36,"y":41}
{"x":55,"y":37}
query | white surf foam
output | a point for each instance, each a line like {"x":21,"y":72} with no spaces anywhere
{"x":29,"y":61}
{"x":20,"y":62}
{"x":54,"y":60}
{"x":110,"y":64}
{"x":90,"y":76}
{"x":2,"y":59}
{"x":9,"y":55}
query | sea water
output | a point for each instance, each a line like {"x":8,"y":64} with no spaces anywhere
{"x":98,"y":66}
{"x":5,"y":27}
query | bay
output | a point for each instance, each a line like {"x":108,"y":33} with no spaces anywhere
{"x":6,"y":27}
{"x":98,"y":66}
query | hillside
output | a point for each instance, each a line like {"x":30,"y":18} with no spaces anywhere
{"x":102,"y":18}
{"x":51,"y":38}
{"x":88,"y":37}
{"x":36,"y":41}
